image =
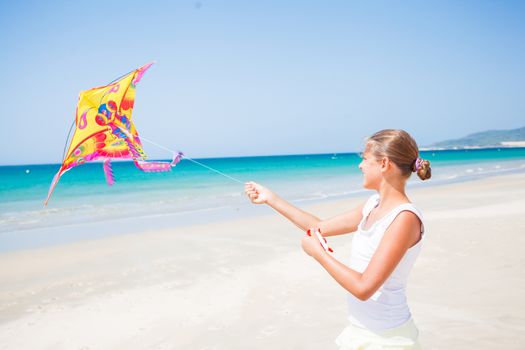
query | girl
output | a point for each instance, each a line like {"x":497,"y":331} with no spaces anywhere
{"x":388,"y":236}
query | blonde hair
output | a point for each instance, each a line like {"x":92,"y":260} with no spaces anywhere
{"x":401,"y":149}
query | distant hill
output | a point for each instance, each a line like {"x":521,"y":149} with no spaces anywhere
{"x":490,"y":138}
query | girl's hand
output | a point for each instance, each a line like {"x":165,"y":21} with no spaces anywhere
{"x":311,"y":245}
{"x":258,"y":194}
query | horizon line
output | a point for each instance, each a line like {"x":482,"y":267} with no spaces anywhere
{"x":421,"y":149}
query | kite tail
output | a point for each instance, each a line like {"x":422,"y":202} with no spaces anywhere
{"x":108,"y":171}
{"x":150,"y":167}
{"x":176,"y":159}
{"x":158,"y":166}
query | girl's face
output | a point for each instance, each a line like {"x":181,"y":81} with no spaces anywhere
{"x":371,"y":169}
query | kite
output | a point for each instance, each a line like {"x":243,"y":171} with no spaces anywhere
{"x":104,"y":130}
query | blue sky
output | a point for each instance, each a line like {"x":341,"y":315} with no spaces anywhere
{"x":238,"y":78}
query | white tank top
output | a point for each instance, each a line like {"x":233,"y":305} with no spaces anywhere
{"x":388,"y":307}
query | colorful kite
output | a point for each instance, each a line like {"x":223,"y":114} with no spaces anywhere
{"x":104,"y":130}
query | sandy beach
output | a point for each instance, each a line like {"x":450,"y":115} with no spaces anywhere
{"x":246,"y":284}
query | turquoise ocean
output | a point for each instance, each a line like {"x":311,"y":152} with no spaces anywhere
{"x":83,"y":206}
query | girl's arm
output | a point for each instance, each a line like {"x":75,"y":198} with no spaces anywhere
{"x":403,"y":233}
{"x":344,"y":223}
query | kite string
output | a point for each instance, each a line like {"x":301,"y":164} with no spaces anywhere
{"x":192,"y":160}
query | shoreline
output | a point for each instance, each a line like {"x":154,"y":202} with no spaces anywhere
{"x":96,"y":228}
{"x":245,"y":283}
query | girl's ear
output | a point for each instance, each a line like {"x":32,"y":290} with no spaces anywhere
{"x":385,"y":164}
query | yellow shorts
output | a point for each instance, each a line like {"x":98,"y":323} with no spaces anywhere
{"x":403,"y":337}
